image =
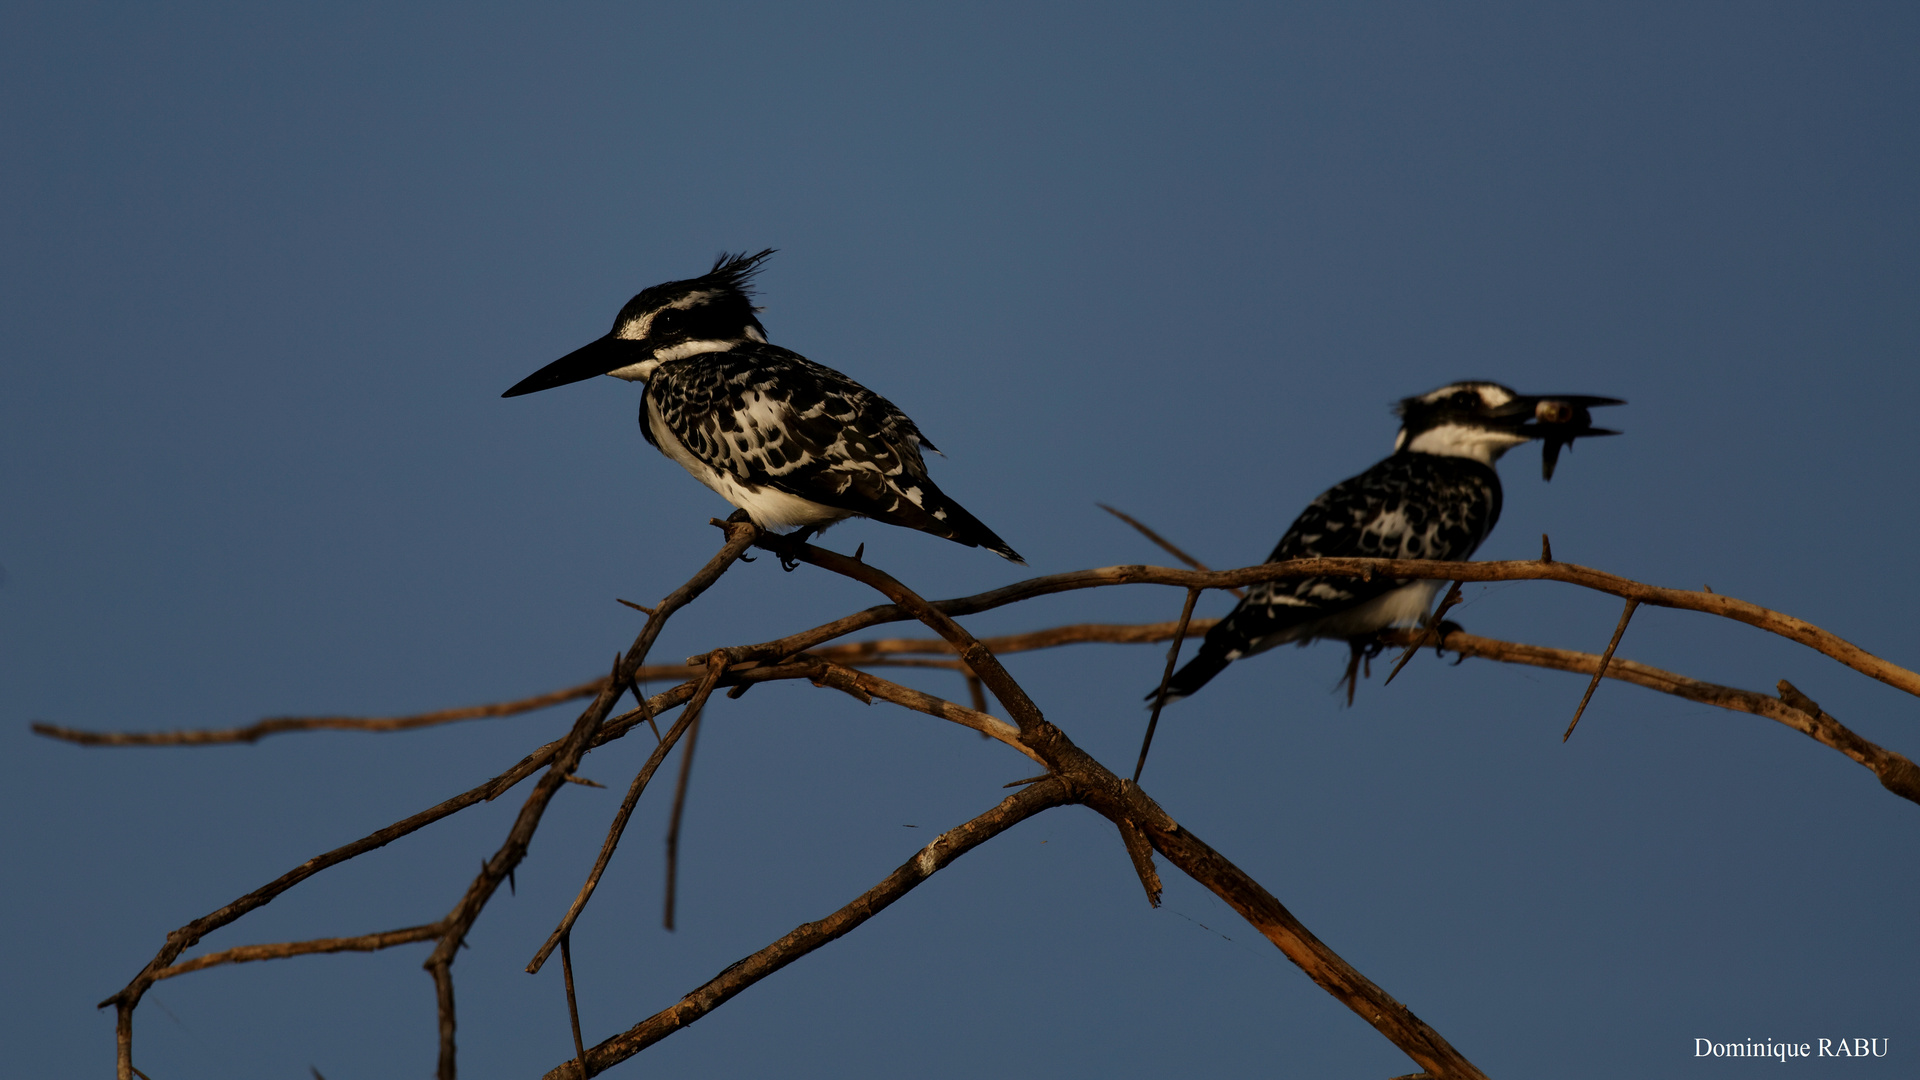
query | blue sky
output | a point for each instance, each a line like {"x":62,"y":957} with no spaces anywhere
{"x":267,"y":270}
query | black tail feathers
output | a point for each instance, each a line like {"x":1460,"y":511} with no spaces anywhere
{"x":935,"y":512}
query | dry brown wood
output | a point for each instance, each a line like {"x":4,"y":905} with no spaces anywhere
{"x":573,"y":1004}
{"x":1127,"y":806}
{"x":1163,"y":543}
{"x":1430,"y":635}
{"x":1600,"y":670}
{"x":1787,"y":626}
{"x":281,"y":724}
{"x":887,"y":652}
{"x":716,"y":667}
{"x":1143,"y":826}
{"x":456,"y":924}
{"x":876,"y":687}
{"x":812,"y":640}
{"x":807,"y":937}
{"x":1896,"y":773}
{"x":1160,"y":692}
{"x":614,"y":833}
{"x":283,"y":949}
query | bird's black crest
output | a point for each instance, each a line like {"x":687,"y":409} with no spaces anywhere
{"x":737,"y":271}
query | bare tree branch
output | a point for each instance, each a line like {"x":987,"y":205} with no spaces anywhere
{"x":874,"y":686}
{"x":1896,"y":773}
{"x":740,"y":535}
{"x":889,"y":652}
{"x":614,"y":832}
{"x":807,"y":937}
{"x":280,"y":724}
{"x":1775,"y":622}
{"x":1072,"y":775}
{"x":1129,"y":808}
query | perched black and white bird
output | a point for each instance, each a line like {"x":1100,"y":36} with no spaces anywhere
{"x":1436,"y":497}
{"x":788,"y":441}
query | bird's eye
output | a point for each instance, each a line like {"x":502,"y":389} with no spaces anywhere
{"x":1466,"y":398}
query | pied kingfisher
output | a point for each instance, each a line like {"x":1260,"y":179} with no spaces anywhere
{"x":788,"y":441}
{"x":1436,"y":497}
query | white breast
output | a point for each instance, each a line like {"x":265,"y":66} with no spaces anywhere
{"x":770,"y":508}
{"x":1403,"y":606}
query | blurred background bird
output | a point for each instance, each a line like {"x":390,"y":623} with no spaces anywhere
{"x":1436,"y":497}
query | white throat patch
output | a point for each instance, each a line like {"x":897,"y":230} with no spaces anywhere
{"x":1484,"y":445}
{"x":644,"y":370}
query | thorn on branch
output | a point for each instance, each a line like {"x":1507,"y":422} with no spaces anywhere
{"x":859,"y":551}
{"x":1600,"y":672}
{"x":1140,"y":850}
{"x":582,"y":781}
{"x":1028,"y":780}
{"x":1160,"y":695}
{"x":642,"y":608}
{"x":1546,"y":549}
{"x":1434,"y":634}
{"x":1792,"y":696}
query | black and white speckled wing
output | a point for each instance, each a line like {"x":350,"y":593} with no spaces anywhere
{"x":793,"y":442}
{"x":1410,"y":506}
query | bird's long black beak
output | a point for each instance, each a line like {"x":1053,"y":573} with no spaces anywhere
{"x":594,"y":358}
{"x":1557,"y":420}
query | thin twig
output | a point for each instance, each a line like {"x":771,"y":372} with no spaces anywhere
{"x":282,"y":724}
{"x":976,"y":693}
{"x":614,"y":832}
{"x":573,"y":1006}
{"x":807,"y":937}
{"x":716,"y":666}
{"x":876,"y":687}
{"x":1600,"y":671}
{"x":1163,"y":543}
{"x":282,"y":950}
{"x":1160,"y":695}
